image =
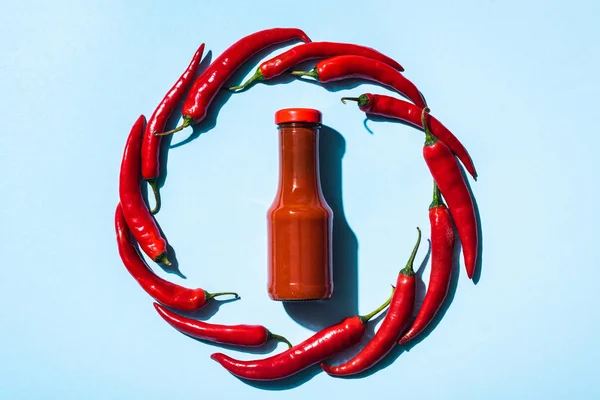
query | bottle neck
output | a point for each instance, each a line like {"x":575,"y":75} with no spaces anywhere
{"x":299,"y":162}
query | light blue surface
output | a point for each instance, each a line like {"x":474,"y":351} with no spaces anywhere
{"x":516,"y":81}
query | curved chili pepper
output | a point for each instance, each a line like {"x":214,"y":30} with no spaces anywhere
{"x":157,"y":122}
{"x":238,"y":335}
{"x":345,"y":67}
{"x":442,"y":241}
{"x":315,"y":349}
{"x":139,"y":220}
{"x":396,"y":320}
{"x":207,"y":85}
{"x":167,"y":293}
{"x":391,"y":107}
{"x":446,"y":173}
{"x":304,"y":52}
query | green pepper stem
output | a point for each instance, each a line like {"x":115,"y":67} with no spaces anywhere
{"x":162,"y":259}
{"x":365,"y":318}
{"x":363,"y":101}
{"x":187,"y":121}
{"x":429,"y":138}
{"x":213,"y":295}
{"x":154,"y":185}
{"x":344,"y":99}
{"x":408,"y":270}
{"x":313,"y":73}
{"x":437,"y":197}
{"x":280,"y":338}
{"x":258,"y":76}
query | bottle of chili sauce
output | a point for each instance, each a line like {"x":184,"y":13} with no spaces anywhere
{"x":299,"y":220}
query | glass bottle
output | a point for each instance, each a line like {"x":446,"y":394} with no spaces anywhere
{"x":299,"y":220}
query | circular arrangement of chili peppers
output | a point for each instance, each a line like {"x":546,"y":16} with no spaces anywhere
{"x":137,"y":229}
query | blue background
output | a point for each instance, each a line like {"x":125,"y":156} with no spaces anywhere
{"x":516,"y":81}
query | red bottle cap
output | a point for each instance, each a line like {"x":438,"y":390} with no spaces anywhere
{"x":298,"y":115}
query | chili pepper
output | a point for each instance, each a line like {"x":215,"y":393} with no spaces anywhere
{"x":304,"y":52}
{"x":391,"y":107}
{"x":157,"y":122}
{"x":207,"y":85}
{"x":315,"y":349}
{"x":238,"y":335}
{"x":446,"y":173}
{"x":344,"y":67}
{"x":140,"y":221}
{"x":167,"y":293}
{"x":396,"y":320}
{"x":442,"y":241}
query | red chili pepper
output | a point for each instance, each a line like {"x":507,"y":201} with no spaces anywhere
{"x":167,"y":293}
{"x":156,"y":123}
{"x":304,"y":52}
{"x":140,"y":221}
{"x":315,"y":349}
{"x":396,"y":320}
{"x":442,"y":241}
{"x":238,"y":335}
{"x":446,"y":173}
{"x":206,"y":87}
{"x":391,"y":107}
{"x":344,"y":67}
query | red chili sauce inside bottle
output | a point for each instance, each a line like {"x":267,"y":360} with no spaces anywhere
{"x":299,"y":220}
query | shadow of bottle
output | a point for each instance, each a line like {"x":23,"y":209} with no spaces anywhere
{"x":316,"y":315}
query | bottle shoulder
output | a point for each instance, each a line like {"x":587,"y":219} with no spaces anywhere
{"x":316,"y":210}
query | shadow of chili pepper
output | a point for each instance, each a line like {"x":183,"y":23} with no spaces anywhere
{"x":398,"y":350}
{"x":391,"y":357}
{"x":379,"y":118}
{"x":421,"y":288}
{"x":173,"y":121}
{"x":307,"y":374}
{"x":210,"y":121}
{"x":479,"y":261}
{"x":348,"y":84}
{"x":164,"y":158}
{"x":456,"y":257}
{"x":316,"y":315}
{"x":264,"y":349}
{"x":287,"y":383}
{"x":206,"y":312}
{"x":466,"y":177}
{"x":348,"y":354}
{"x":282,"y":79}
{"x":174,"y":267}
{"x":336,"y":86}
